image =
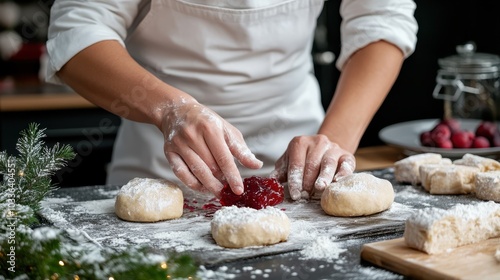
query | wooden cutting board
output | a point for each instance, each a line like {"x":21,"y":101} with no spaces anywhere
{"x":475,"y":261}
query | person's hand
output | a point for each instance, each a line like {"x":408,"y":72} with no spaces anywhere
{"x":311,"y":163}
{"x":201,"y":148}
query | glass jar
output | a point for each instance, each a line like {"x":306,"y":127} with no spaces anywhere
{"x":469,"y":84}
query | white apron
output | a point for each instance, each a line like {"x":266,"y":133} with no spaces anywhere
{"x":251,"y":66}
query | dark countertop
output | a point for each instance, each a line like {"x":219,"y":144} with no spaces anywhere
{"x":293,"y":264}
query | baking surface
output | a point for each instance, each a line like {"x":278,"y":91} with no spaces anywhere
{"x":474,"y":261}
{"x":191,"y":232}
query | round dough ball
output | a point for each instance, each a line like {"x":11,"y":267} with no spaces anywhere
{"x":238,"y":227}
{"x":359,"y":194}
{"x":149,"y":200}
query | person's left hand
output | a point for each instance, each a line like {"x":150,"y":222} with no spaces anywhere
{"x":311,"y":163}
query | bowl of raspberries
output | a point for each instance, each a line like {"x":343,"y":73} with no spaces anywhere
{"x":450,"y":134}
{"x":450,"y":137}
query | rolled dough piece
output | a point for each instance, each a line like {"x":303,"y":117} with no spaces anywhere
{"x":484,"y":164}
{"x":497,"y":255}
{"x":238,"y":227}
{"x":358,"y":194}
{"x":427,"y":170}
{"x":149,"y":200}
{"x":407,"y":170}
{"x":435,"y":230}
{"x":488,"y":185}
{"x":452,"y":179}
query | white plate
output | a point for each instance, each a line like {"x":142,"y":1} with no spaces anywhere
{"x":406,"y":135}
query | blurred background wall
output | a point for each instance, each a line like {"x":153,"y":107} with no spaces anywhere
{"x":443,"y":25}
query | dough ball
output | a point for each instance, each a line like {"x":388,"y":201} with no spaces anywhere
{"x":358,"y":194}
{"x":238,"y":227}
{"x":149,"y":200}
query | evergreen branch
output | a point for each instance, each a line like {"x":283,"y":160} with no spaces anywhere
{"x":3,"y":162}
{"x":30,"y":173}
{"x":54,"y":256}
{"x":30,"y":143}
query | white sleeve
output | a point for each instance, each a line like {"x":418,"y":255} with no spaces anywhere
{"x":77,"y":24}
{"x":368,"y":21}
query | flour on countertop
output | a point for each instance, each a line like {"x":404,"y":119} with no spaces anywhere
{"x":55,"y":200}
{"x":108,"y":193}
{"x":99,"y":206}
{"x":323,"y":248}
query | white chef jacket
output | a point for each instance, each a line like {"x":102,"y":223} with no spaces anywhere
{"x":248,"y":60}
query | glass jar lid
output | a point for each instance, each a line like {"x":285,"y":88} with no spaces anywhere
{"x":468,"y":61}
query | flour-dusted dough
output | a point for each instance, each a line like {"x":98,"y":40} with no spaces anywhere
{"x":484,"y":164}
{"x":488,"y":185}
{"x":358,"y":194}
{"x":427,"y":170}
{"x":407,"y":169}
{"x":434,"y":230}
{"x":497,"y":255}
{"x":149,"y":200}
{"x":451,"y":179}
{"x":238,"y":227}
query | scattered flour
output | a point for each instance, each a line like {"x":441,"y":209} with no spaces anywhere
{"x":56,"y":217}
{"x":376,"y":274}
{"x":411,"y":192}
{"x":220,"y":273}
{"x":99,"y":206}
{"x":323,"y":248}
{"x":108,"y":193}
{"x":46,"y":202}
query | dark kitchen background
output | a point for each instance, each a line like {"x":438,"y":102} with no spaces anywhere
{"x":443,"y":25}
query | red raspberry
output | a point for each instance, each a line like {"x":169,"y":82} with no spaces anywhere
{"x":480,"y":142}
{"x":446,"y":144}
{"x":259,"y":193}
{"x":426,"y":139}
{"x":496,"y":139}
{"x":440,"y":134}
{"x":462,"y":139}
{"x":487,"y":129}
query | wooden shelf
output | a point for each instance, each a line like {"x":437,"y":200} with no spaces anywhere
{"x":45,"y":101}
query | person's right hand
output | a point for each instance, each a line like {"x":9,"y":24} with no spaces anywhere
{"x":201,"y":148}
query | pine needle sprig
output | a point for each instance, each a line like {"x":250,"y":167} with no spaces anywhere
{"x":29,"y":174}
{"x":3,"y":162}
